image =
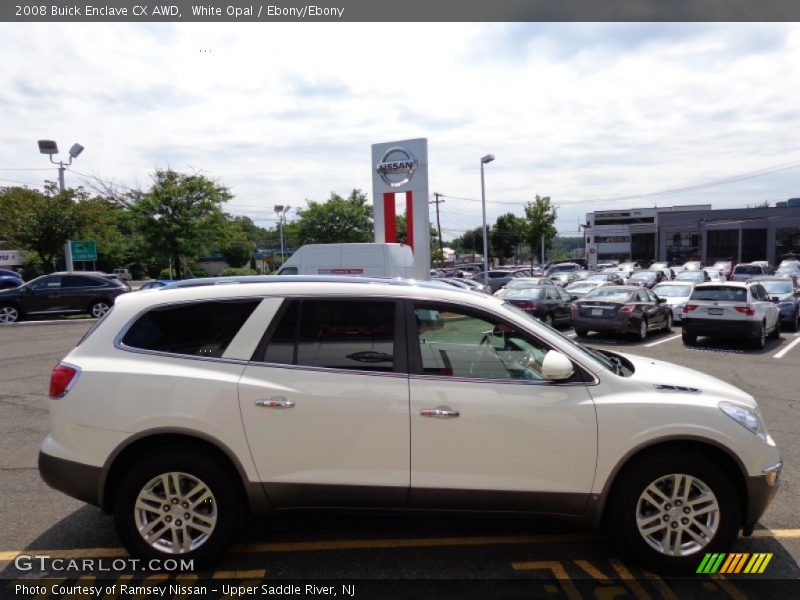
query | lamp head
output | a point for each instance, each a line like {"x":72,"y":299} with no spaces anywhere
{"x":487,"y":159}
{"x":75,"y":150}
{"x":48,"y":147}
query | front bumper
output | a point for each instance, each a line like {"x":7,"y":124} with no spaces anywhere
{"x":760,"y":492}
{"x":74,"y":479}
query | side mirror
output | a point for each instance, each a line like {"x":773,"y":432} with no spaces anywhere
{"x":556,"y":366}
{"x":662,"y":300}
{"x":775,"y":299}
{"x":573,"y":297}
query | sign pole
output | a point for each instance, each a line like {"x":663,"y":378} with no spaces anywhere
{"x":68,"y":255}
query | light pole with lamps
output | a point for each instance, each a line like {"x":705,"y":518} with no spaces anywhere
{"x":50,"y":148}
{"x":281,"y":211}
{"x":484,"y":160}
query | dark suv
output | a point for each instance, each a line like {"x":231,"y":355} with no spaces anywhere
{"x":59,"y":293}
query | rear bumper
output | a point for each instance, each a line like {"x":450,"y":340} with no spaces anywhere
{"x":720,"y":327}
{"x":74,"y":479}
{"x":616,"y":325}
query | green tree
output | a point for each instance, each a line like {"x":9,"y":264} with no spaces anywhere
{"x":337,"y":220}
{"x":471,"y":241}
{"x":506,"y":234}
{"x":180,"y":216}
{"x":39,"y":222}
{"x":236,"y":253}
{"x":540,"y":219}
{"x":104,"y":222}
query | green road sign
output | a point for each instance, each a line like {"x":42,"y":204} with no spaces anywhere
{"x":84,"y":250}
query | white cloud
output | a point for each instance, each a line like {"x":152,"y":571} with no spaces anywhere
{"x":284,"y":112}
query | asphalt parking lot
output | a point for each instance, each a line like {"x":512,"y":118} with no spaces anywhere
{"x":380,"y":547}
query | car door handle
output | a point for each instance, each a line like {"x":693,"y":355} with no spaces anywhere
{"x":276,"y":402}
{"x":441,"y":412}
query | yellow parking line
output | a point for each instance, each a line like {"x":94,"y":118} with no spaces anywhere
{"x":8,"y":555}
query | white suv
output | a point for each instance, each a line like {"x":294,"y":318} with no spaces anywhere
{"x":734,"y":309}
{"x":184,"y":408}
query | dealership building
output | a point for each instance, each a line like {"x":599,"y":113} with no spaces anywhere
{"x":694,"y":232}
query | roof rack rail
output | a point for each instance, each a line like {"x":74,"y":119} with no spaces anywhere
{"x":239,"y":279}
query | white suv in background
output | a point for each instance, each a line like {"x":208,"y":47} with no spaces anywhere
{"x":187,"y":407}
{"x":734,"y":309}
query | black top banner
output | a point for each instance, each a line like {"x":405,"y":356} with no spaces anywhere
{"x":398,"y":10}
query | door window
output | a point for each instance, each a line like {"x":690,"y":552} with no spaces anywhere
{"x":79,"y":281}
{"x":552,"y":294}
{"x":463,"y":344}
{"x":48,"y":283}
{"x":334,"y":334}
{"x":564,"y":295}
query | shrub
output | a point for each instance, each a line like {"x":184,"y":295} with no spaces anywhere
{"x":230,"y":272}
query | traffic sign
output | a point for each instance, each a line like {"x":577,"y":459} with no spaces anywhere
{"x":83,"y":250}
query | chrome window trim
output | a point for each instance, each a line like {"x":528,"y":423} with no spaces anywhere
{"x":541,"y":382}
{"x":256,"y":363}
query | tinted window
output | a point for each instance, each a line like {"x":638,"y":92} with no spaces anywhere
{"x":288,"y":271}
{"x":47,"y":283}
{"x":336,"y":334}
{"x":748,"y":270}
{"x":79,"y":281}
{"x":720,"y":293}
{"x":197,"y":329}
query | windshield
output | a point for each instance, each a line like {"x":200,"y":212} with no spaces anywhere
{"x":691,"y":276}
{"x":777,"y":287}
{"x":643,"y":275}
{"x":609,"y":294}
{"x":594,"y":357}
{"x":789,"y":269}
{"x":581,"y":285}
{"x":747,"y":270}
{"x":598,"y":278}
{"x":672,"y":291}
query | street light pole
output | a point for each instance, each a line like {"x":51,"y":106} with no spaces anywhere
{"x":484,"y":160}
{"x":281,"y":211}
{"x":50,"y":148}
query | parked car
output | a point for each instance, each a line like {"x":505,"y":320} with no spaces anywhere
{"x":548,"y":303}
{"x":578,"y":289}
{"x":500,"y":277}
{"x":676,"y":293}
{"x":611,"y":264}
{"x":621,"y":309}
{"x":696,"y":276}
{"x":788,"y":269}
{"x":528,"y":282}
{"x":567,"y":267}
{"x":564,"y":278}
{"x":10,"y":279}
{"x":734,"y":309}
{"x":726,"y":266}
{"x":715,"y":275}
{"x":785,"y":293}
{"x":122,"y":275}
{"x":646,"y":279}
{"x":692,"y":265}
{"x":475,"y":286}
{"x":155,"y":284}
{"x":180,"y":413}
{"x":747,"y":271}
{"x":61,"y":293}
{"x":612,"y":277}
{"x":629,"y":267}
{"x":659,"y":266}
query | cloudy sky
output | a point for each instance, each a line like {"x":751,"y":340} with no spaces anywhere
{"x":587,"y":114}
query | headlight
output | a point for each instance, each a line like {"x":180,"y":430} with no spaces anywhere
{"x":786,"y":304}
{"x":748,"y":418}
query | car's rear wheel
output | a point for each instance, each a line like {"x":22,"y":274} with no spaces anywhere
{"x":668,"y":324}
{"x":180,"y":504}
{"x":776,"y":331}
{"x":9,"y":313}
{"x":642,"y":333}
{"x":795,"y":326}
{"x":581,"y":332}
{"x":689,"y":338}
{"x":760,"y":339}
{"x":549,"y":320}
{"x":670,"y":508}
{"x":99,"y":308}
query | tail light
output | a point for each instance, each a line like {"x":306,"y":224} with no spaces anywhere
{"x":626,"y":310}
{"x":573,"y":307}
{"x":745,"y":310}
{"x":689,"y":308}
{"x":528,"y":306}
{"x":61,"y":380}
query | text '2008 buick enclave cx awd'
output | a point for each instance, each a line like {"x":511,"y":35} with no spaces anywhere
{"x":185,"y":408}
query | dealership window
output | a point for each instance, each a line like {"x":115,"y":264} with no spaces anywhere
{"x":612,"y":239}
{"x":722,"y":244}
{"x":195,"y":329}
{"x":334,"y":334}
{"x":683,"y":246}
{"x":643,"y":246}
{"x":754,"y":245}
{"x":787,"y":243}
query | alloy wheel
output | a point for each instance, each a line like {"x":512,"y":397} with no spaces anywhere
{"x":99,"y":309}
{"x":643,"y":330}
{"x":677,"y":515}
{"x":8,"y":314}
{"x":175,"y":513}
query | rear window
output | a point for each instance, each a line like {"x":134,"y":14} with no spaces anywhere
{"x":720,"y":293}
{"x":748,"y":270}
{"x":607,"y":294}
{"x":669,"y":291}
{"x":529,"y":293}
{"x":196,"y":329}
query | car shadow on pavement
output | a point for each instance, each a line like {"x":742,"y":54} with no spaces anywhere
{"x":735,"y":346}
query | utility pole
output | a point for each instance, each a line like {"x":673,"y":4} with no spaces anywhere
{"x":437,"y":200}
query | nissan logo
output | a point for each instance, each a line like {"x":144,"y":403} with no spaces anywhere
{"x":397,"y":166}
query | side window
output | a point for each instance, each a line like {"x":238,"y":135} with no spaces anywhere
{"x":564,"y":295}
{"x":79,"y":281}
{"x":462,"y":344}
{"x":335,"y":334}
{"x":196,"y":329}
{"x":641,"y":296}
{"x":552,"y":294}
{"x":48,"y":283}
{"x":759,"y":293}
{"x":651,"y":296}
{"x":288,"y":271}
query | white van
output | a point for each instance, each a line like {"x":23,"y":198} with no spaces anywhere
{"x":359,"y":260}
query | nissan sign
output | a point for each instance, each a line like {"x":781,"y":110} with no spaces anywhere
{"x":397,"y":166}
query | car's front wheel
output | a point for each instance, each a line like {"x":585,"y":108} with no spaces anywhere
{"x":670,"y":508}
{"x":178,"y":505}
{"x":9,"y":313}
{"x":668,"y":323}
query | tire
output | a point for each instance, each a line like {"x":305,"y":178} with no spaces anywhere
{"x":761,"y":338}
{"x":220,"y":514}
{"x":549,"y":320}
{"x":10,"y":313}
{"x":709,"y":522}
{"x":581,"y":332}
{"x":776,"y":332}
{"x":688,"y":338}
{"x":795,"y":325}
{"x":668,"y":325}
{"x":98,"y":308}
{"x":641,"y":335}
